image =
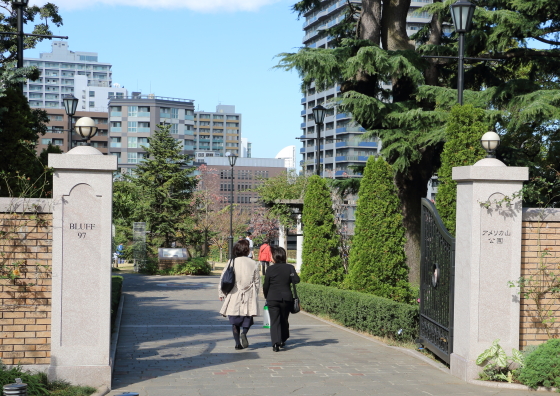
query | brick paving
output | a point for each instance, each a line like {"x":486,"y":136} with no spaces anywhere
{"x":173,"y":342}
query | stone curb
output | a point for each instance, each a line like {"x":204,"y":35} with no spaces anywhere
{"x":502,"y":385}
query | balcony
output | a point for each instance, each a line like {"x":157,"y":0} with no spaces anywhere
{"x":116,"y":129}
{"x":143,"y":114}
{"x":116,"y":113}
{"x":342,"y":115}
{"x":353,"y":158}
{"x":143,"y":129}
{"x":189,"y":117}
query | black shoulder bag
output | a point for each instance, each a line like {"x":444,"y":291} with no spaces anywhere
{"x":228,"y":280}
{"x":295,"y":306}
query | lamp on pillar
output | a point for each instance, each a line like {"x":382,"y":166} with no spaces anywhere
{"x":70,"y":104}
{"x":319,"y":113}
{"x":490,"y":142}
{"x":232,"y":158}
{"x":462,"y":12}
{"x":85,"y":126}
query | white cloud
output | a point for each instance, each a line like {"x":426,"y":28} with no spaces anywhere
{"x":194,"y":5}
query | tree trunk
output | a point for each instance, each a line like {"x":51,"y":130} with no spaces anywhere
{"x":432,"y":72}
{"x":369,"y":27}
{"x":412,"y":186}
{"x":393,"y":25}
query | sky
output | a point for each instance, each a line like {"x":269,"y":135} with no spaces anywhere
{"x":212,"y":51}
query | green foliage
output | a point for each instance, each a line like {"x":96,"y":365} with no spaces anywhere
{"x":542,"y":366}
{"x":39,"y":385}
{"x":194,"y":266}
{"x":498,"y":365}
{"x":166,"y":187}
{"x":322,"y":264}
{"x":287,"y":186}
{"x":116,"y":291}
{"x":360,"y":311}
{"x":465,"y":127}
{"x":377,"y":262}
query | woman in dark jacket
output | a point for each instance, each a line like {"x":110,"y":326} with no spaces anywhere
{"x":278,"y":295}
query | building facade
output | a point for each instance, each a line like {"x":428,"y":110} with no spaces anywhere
{"x":57,"y":132}
{"x":133,"y":120}
{"x":248,"y":173}
{"x":218,"y":132}
{"x":65,"y":72}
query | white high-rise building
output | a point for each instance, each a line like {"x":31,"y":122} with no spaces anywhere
{"x":77,"y":73}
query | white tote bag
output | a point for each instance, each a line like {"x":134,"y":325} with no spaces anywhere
{"x":266,"y":317}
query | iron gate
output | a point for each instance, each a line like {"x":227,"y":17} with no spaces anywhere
{"x":437,"y":278}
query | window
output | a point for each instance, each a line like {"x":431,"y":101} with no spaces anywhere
{"x":116,"y":126}
{"x":205,"y":116}
{"x":231,"y":117}
{"x":165,"y":112}
{"x":88,"y":58}
{"x":115,"y":142}
{"x":232,"y":124}
{"x":92,"y":94}
{"x":218,"y":117}
{"x":118,"y":155}
{"x":174,"y":129}
{"x":143,"y":111}
{"x":55,"y":118}
{"x":132,"y":158}
{"x":45,"y":141}
{"x":218,"y":124}
{"x":143,"y":141}
{"x":111,"y":95}
{"x":144,"y":127}
{"x":120,"y":95}
{"x":133,"y":111}
{"x":174,"y":113}
{"x":204,"y":123}
{"x":91,"y":104}
{"x":116,"y":111}
{"x":132,"y":142}
{"x":132,"y":126}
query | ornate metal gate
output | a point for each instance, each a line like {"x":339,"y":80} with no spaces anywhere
{"x":437,"y":278}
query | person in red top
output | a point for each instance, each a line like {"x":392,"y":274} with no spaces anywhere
{"x":265,"y":256}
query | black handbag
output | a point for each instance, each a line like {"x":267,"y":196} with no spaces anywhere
{"x":295,"y":306}
{"x":228,"y":280}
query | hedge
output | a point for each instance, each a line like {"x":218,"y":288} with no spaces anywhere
{"x":116,"y":290}
{"x":360,"y":311}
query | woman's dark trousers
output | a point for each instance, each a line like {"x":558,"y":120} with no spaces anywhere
{"x":279,"y":326}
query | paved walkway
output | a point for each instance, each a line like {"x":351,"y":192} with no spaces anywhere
{"x":173,"y":342}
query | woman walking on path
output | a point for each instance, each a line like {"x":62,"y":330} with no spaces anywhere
{"x":265,"y":257}
{"x":278,"y":294}
{"x":241,"y":304}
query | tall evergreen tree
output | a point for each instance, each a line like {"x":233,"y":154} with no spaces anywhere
{"x":520,"y":91}
{"x":321,"y":259}
{"x":377,"y":262}
{"x":462,"y":148}
{"x":167,"y":184}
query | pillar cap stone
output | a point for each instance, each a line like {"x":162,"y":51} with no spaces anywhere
{"x":490,"y":173}
{"x":85,"y":160}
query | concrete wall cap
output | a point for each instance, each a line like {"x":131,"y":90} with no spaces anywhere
{"x":489,"y":162}
{"x":85,"y":150}
{"x":541,"y":214}
{"x":490,"y":173}
{"x":85,"y":162}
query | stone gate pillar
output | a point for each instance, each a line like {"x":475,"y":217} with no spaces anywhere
{"x":487,"y":256}
{"x":81,"y":266}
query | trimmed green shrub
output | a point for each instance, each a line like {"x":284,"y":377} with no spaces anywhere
{"x":463,"y":131}
{"x":377,"y":263}
{"x":39,"y":385}
{"x":116,"y":291}
{"x":360,"y":311}
{"x":542,"y":366}
{"x":194,"y":266}
{"x":322,"y":264}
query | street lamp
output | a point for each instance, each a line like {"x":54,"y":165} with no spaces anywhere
{"x":319,"y":113}
{"x":232,"y":158}
{"x":490,"y":142}
{"x":20,"y":5}
{"x":70,"y":104}
{"x":461,"y":13}
{"x":86,"y":128}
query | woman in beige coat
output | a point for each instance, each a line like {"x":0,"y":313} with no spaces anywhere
{"x":241,"y":304}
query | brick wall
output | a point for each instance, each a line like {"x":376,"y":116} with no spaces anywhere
{"x":538,"y":236}
{"x":25,"y":311}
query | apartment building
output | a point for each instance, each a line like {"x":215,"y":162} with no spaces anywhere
{"x":57,"y":132}
{"x":65,"y":72}
{"x":133,"y":119}
{"x":217,"y":132}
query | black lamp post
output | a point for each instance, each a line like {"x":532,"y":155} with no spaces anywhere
{"x":86,"y":128}
{"x":70,"y":104}
{"x":462,"y":12}
{"x":319,"y":113}
{"x":232,"y":158}
{"x":20,"y":5}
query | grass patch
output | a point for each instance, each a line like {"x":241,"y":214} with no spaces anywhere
{"x":39,"y":385}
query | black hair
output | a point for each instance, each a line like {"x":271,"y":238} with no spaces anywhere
{"x":241,"y":248}
{"x":278,"y":254}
